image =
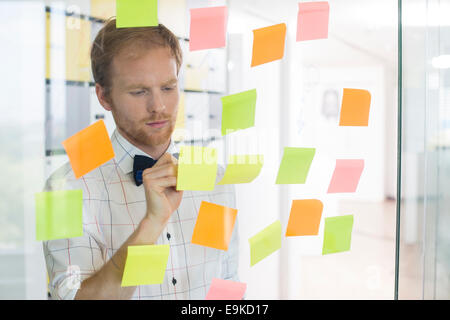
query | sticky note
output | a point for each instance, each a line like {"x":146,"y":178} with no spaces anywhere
{"x":337,"y":234}
{"x":180,"y":123}
{"x":242,"y":169}
{"x":346,"y":175}
{"x":238,"y":111}
{"x":78,"y":41}
{"x":268,"y":44}
{"x":226,"y":290}
{"x":136,"y":13}
{"x":214,"y":226}
{"x":208,"y":28}
{"x":59,"y":214}
{"x":312,"y":20}
{"x":304,"y":218}
{"x":265,"y":242}
{"x":355,"y":108}
{"x":89,"y":148}
{"x":145,"y":265}
{"x":197,"y":168}
{"x":295,"y":165}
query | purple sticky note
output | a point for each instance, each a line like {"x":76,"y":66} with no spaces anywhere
{"x":208,"y":28}
{"x":346,"y":175}
{"x":226,"y":290}
{"x":312,"y":20}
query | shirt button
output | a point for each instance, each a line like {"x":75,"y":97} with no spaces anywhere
{"x":174,"y":281}
{"x":168,"y":236}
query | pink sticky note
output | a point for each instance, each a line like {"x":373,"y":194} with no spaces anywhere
{"x":346,"y":176}
{"x":226,"y":290}
{"x":312,"y":20}
{"x":208,"y":28}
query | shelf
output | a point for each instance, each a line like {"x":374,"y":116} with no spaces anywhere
{"x":58,"y":152}
{"x":87,"y":17}
{"x":92,"y":84}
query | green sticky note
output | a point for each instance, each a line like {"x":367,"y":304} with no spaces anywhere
{"x":242,"y":168}
{"x":295,"y":165}
{"x":265,"y":242}
{"x":145,"y":265}
{"x":197,"y":168}
{"x":136,"y":13}
{"x":59,"y":214}
{"x":238,"y":111}
{"x":337,"y":234}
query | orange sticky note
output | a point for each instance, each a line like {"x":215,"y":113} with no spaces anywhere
{"x":226,"y":290}
{"x":208,"y":28}
{"x":304,"y":218}
{"x":355,"y":108}
{"x":89,"y":148}
{"x":346,"y":175}
{"x":214,"y":226}
{"x":312,"y":20}
{"x":268,"y":44}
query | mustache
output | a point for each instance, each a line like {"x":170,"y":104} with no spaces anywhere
{"x":162,"y":117}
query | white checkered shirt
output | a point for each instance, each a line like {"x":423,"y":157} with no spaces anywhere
{"x":113,"y":206}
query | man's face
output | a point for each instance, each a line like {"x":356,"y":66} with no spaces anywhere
{"x":144,"y":95}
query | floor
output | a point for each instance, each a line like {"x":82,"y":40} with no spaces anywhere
{"x":367,"y":271}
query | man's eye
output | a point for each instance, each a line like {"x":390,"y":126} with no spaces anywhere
{"x":168,"y":88}
{"x":137,"y":93}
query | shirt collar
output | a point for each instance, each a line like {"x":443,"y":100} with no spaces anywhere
{"x":125,"y":151}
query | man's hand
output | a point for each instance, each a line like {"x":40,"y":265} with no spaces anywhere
{"x":160,"y":189}
{"x":162,"y":200}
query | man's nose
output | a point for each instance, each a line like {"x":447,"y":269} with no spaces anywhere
{"x":156,"y":103}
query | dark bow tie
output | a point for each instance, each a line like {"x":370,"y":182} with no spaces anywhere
{"x":140,"y":164}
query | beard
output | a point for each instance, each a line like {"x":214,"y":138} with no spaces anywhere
{"x":140,"y":134}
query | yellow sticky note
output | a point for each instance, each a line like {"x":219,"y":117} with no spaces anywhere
{"x":355,"y":108}
{"x":180,"y":122}
{"x":136,"y":13}
{"x":145,"y":265}
{"x":197,"y":168}
{"x":242,"y":169}
{"x":214,"y":226}
{"x":196,"y":77}
{"x":337,"y":234}
{"x":59,"y":214}
{"x":295,"y":165}
{"x":179,"y":132}
{"x":268,"y":44}
{"x":89,"y":148}
{"x":265,"y":242}
{"x":47,"y":46}
{"x":78,"y":44}
{"x":238,"y":111}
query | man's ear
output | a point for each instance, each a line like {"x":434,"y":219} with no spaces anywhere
{"x":102,"y":97}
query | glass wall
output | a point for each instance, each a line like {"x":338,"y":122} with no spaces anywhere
{"x":360,"y":53}
{"x":424,"y":264}
{"x":48,"y":95}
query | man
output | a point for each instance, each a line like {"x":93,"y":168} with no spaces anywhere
{"x":136,"y":74}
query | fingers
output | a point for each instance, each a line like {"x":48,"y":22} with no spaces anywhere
{"x":162,"y":175}
{"x":166,"y":182}
{"x":167,"y":170}
{"x":165,"y":159}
